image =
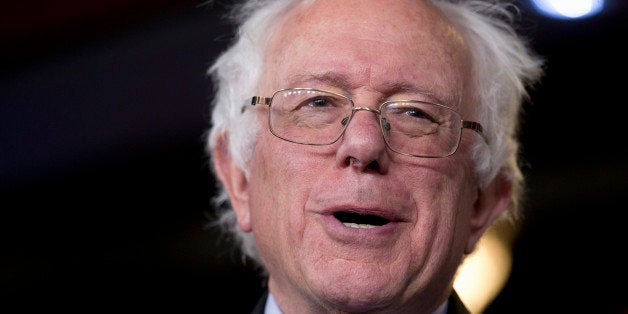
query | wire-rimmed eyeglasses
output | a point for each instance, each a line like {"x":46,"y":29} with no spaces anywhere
{"x":410,"y":127}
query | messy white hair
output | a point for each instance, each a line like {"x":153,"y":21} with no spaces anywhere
{"x":503,"y":65}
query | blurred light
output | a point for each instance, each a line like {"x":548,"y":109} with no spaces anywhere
{"x":568,"y":9}
{"x":485,"y":272}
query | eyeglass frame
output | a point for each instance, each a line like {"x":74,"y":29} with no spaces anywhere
{"x":465,"y":124}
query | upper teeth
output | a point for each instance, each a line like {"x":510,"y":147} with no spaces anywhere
{"x":360,"y":226}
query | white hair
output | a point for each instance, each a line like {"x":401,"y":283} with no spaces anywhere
{"x":503,"y":66}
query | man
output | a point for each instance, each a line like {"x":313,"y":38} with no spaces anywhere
{"x":365,"y":146}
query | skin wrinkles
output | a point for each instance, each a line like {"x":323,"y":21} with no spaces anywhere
{"x":344,"y":85}
{"x":452,"y":52}
{"x":317,"y":266}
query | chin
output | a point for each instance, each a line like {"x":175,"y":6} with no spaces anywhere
{"x":356,"y":288}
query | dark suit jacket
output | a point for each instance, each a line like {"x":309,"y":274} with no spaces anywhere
{"x":455,"y":305}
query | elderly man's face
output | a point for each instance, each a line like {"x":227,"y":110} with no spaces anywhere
{"x":297,"y":198}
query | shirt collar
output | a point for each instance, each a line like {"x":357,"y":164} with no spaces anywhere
{"x":272,"y":307}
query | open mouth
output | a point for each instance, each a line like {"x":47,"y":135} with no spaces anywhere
{"x":360,"y":221}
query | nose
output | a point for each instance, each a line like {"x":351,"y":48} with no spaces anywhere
{"x":362,"y":145}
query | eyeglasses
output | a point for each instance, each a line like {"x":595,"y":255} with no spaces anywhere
{"x":410,"y":127}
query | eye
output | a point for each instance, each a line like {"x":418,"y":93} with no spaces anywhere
{"x":319,"y":102}
{"x":411,"y":113}
{"x":418,"y":113}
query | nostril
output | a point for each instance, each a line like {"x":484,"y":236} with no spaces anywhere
{"x":352,"y":161}
{"x":373,"y":165}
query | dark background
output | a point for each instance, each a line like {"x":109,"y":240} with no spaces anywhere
{"x":105,"y":188}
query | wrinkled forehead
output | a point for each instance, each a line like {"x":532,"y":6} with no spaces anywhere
{"x":367,"y":15}
{"x":409,"y":41}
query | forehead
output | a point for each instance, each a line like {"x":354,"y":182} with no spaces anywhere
{"x":378,"y":44}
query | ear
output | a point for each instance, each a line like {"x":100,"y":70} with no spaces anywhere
{"x":493,"y":200}
{"x":234,"y":180}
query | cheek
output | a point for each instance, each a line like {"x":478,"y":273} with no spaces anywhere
{"x":266,"y":187}
{"x":458,"y":197}
{"x":280,"y":171}
{"x":444,"y":197}
{"x":278,"y":189}
{"x":279,"y":185}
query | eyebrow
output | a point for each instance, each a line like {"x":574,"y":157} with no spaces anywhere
{"x":345,"y":82}
{"x":331,"y":78}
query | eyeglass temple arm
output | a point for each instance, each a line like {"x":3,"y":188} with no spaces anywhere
{"x":260,"y":100}
{"x":475,"y":126}
{"x":257,"y":100}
